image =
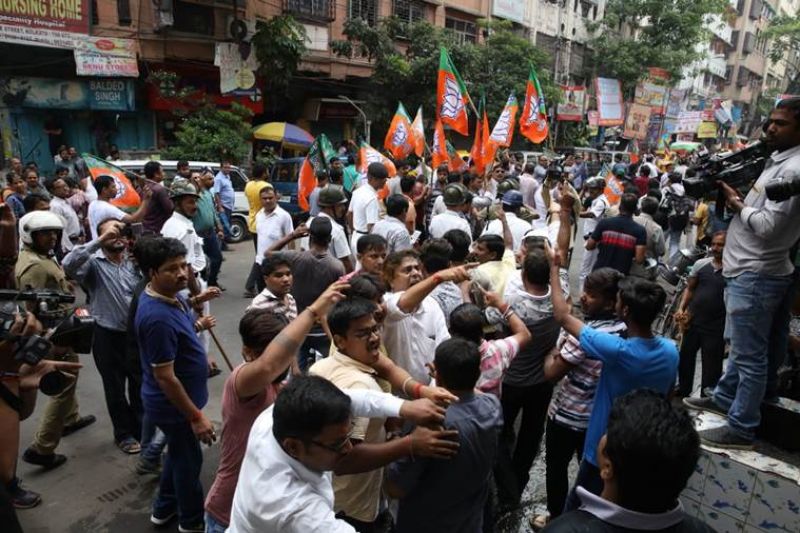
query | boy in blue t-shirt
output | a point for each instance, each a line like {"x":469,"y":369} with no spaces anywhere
{"x":642,"y":360}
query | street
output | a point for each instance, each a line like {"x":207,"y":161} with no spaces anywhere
{"x":98,"y":488}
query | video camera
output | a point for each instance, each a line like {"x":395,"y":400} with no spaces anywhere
{"x":738,"y":170}
{"x":69,"y":327}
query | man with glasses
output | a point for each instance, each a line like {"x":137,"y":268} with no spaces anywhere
{"x":285,"y":483}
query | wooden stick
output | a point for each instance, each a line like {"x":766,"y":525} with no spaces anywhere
{"x":221,"y":350}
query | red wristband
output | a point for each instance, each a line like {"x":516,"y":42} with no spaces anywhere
{"x":197,"y":416}
{"x":437,"y":278}
{"x":415,"y":391}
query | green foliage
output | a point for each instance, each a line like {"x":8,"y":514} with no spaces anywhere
{"x":279,"y":44}
{"x":406,"y":61}
{"x":784,"y":34}
{"x":212,"y":134}
{"x":636,"y":34}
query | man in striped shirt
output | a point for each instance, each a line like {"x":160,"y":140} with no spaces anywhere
{"x":620,"y":240}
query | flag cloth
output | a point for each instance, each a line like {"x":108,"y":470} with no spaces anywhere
{"x":451,"y":95}
{"x":503,"y":132}
{"x":614,"y":187}
{"x":398,"y":140}
{"x":489,"y":149}
{"x":127,"y":198}
{"x":533,"y":123}
{"x":368,"y":155}
{"x":476,"y":153}
{"x":418,"y":134}
{"x":317,"y":158}
{"x":454,"y":161}
{"x":439,"y":149}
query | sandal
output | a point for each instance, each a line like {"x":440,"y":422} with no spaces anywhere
{"x":130,"y":446}
{"x":539,"y":521}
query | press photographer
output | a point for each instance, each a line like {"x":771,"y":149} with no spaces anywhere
{"x":760,"y":286}
{"x":108,"y":274}
{"x":37,"y":268}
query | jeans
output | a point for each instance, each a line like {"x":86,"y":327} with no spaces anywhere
{"x":306,"y":356}
{"x":561,"y":443}
{"x":179,"y":488}
{"x":674,"y":243}
{"x":153,"y":442}
{"x":225,"y":218}
{"x":757,"y":325}
{"x":213,"y":525}
{"x":589,"y":478}
{"x":515,"y":459}
{"x":212,"y":249}
{"x":712,"y":344}
{"x":115,"y":370}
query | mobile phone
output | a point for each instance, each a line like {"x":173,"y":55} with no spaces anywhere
{"x":137,"y":229}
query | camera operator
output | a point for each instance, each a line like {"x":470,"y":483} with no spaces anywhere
{"x":109,"y":276}
{"x":758,"y":294}
{"x":18,"y":386}
{"x":40,"y":233}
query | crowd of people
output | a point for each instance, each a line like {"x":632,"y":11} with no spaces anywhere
{"x":408,"y":347}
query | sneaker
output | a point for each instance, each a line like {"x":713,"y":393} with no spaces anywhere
{"x":145,"y":467}
{"x":724,"y":437}
{"x":23,"y":498}
{"x":80,"y":424}
{"x":48,"y":461}
{"x":160,"y":519}
{"x":704,"y":404}
{"x":200,"y":527}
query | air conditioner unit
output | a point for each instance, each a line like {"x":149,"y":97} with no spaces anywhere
{"x":238,"y":29}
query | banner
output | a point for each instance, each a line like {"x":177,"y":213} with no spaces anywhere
{"x":52,"y":23}
{"x":637,"y":122}
{"x":609,"y":102}
{"x":654,"y":129}
{"x":650,"y":94}
{"x":707,"y":130}
{"x":675,"y":102}
{"x":100,"y":94}
{"x":571,"y":106}
{"x":235,"y":74}
{"x":509,"y":9}
{"x":593,"y":118}
{"x":106,"y":57}
{"x":688,"y":121}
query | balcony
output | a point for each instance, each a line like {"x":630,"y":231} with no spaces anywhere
{"x":716,"y":65}
{"x":312,"y":10}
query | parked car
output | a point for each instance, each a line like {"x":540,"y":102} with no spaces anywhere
{"x":284,"y":175}
{"x":239,"y":230}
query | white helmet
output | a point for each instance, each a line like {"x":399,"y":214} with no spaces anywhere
{"x":38,"y":221}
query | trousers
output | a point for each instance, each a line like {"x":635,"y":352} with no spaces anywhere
{"x":61,"y":410}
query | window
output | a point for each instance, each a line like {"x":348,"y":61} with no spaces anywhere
{"x":124,"y":12}
{"x":466,"y":31}
{"x":409,"y":10}
{"x":95,"y":17}
{"x":365,"y":10}
{"x":193,"y":18}
{"x":311,"y":9}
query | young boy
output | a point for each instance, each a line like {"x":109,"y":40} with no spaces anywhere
{"x":370,"y":254}
{"x":451,"y":495}
{"x":640,"y":360}
{"x":278,"y":282}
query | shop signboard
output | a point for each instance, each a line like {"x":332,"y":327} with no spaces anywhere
{"x":99,"y":94}
{"x":53,"y":23}
{"x":106,"y":57}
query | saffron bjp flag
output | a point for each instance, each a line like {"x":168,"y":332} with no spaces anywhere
{"x":451,"y":95}
{"x":418,"y":134}
{"x":454,"y":161}
{"x":614,"y":187}
{"x":503,"y":132}
{"x":489,"y":148}
{"x":368,"y":155}
{"x":439,"y":149}
{"x":317,"y":159}
{"x":533,"y":123}
{"x":127,"y":198}
{"x":399,"y":141}
{"x":476,"y":152}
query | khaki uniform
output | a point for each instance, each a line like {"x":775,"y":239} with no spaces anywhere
{"x":42,"y":272}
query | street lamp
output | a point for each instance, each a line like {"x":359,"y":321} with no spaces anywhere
{"x":367,"y":122}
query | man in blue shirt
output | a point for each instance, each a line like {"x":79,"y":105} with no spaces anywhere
{"x":224,"y":196}
{"x":174,"y":382}
{"x":642,"y":360}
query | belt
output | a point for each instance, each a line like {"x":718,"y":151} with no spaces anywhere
{"x":362,"y":232}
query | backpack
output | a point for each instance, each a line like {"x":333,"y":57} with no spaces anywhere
{"x":677,"y":209}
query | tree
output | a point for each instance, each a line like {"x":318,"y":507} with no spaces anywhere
{"x":279,"y":45}
{"x":212,"y":134}
{"x":636,"y":34}
{"x":406,"y":62}
{"x":784,"y":35}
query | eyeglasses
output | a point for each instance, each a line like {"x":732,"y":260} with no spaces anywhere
{"x":368,"y":332}
{"x":338,"y":447}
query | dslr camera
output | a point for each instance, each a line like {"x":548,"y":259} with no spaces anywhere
{"x":739,"y":170}
{"x":66,"y":326}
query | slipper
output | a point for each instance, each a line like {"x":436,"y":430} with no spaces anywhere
{"x":539,"y":521}
{"x":129,"y":445}
{"x":80,"y":424}
{"x":213,"y":370}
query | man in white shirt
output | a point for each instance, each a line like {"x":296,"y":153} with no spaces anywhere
{"x":285,"y":480}
{"x":59,"y":191}
{"x":511,"y":204}
{"x":455,"y":198}
{"x":528,"y":185}
{"x":414,"y":324}
{"x":273,"y":223}
{"x":598,"y":209}
{"x":101,"y":209}
{"x":364,"y":211}
{"x":393,"y":227}
{"x":333,"y":205}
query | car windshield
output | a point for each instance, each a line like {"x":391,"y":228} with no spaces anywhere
{"x":284,"y":171}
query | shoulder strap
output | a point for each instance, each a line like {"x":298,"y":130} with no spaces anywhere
{"x":10,"y":398}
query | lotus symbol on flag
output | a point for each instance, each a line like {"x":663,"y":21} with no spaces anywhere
{"x":453,"y":105}
{"x":501,"y":129}
{"x":121,"y":188}
{"x":400,"y":136}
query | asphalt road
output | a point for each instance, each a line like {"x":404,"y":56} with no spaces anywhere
{"x":98,"y":488}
